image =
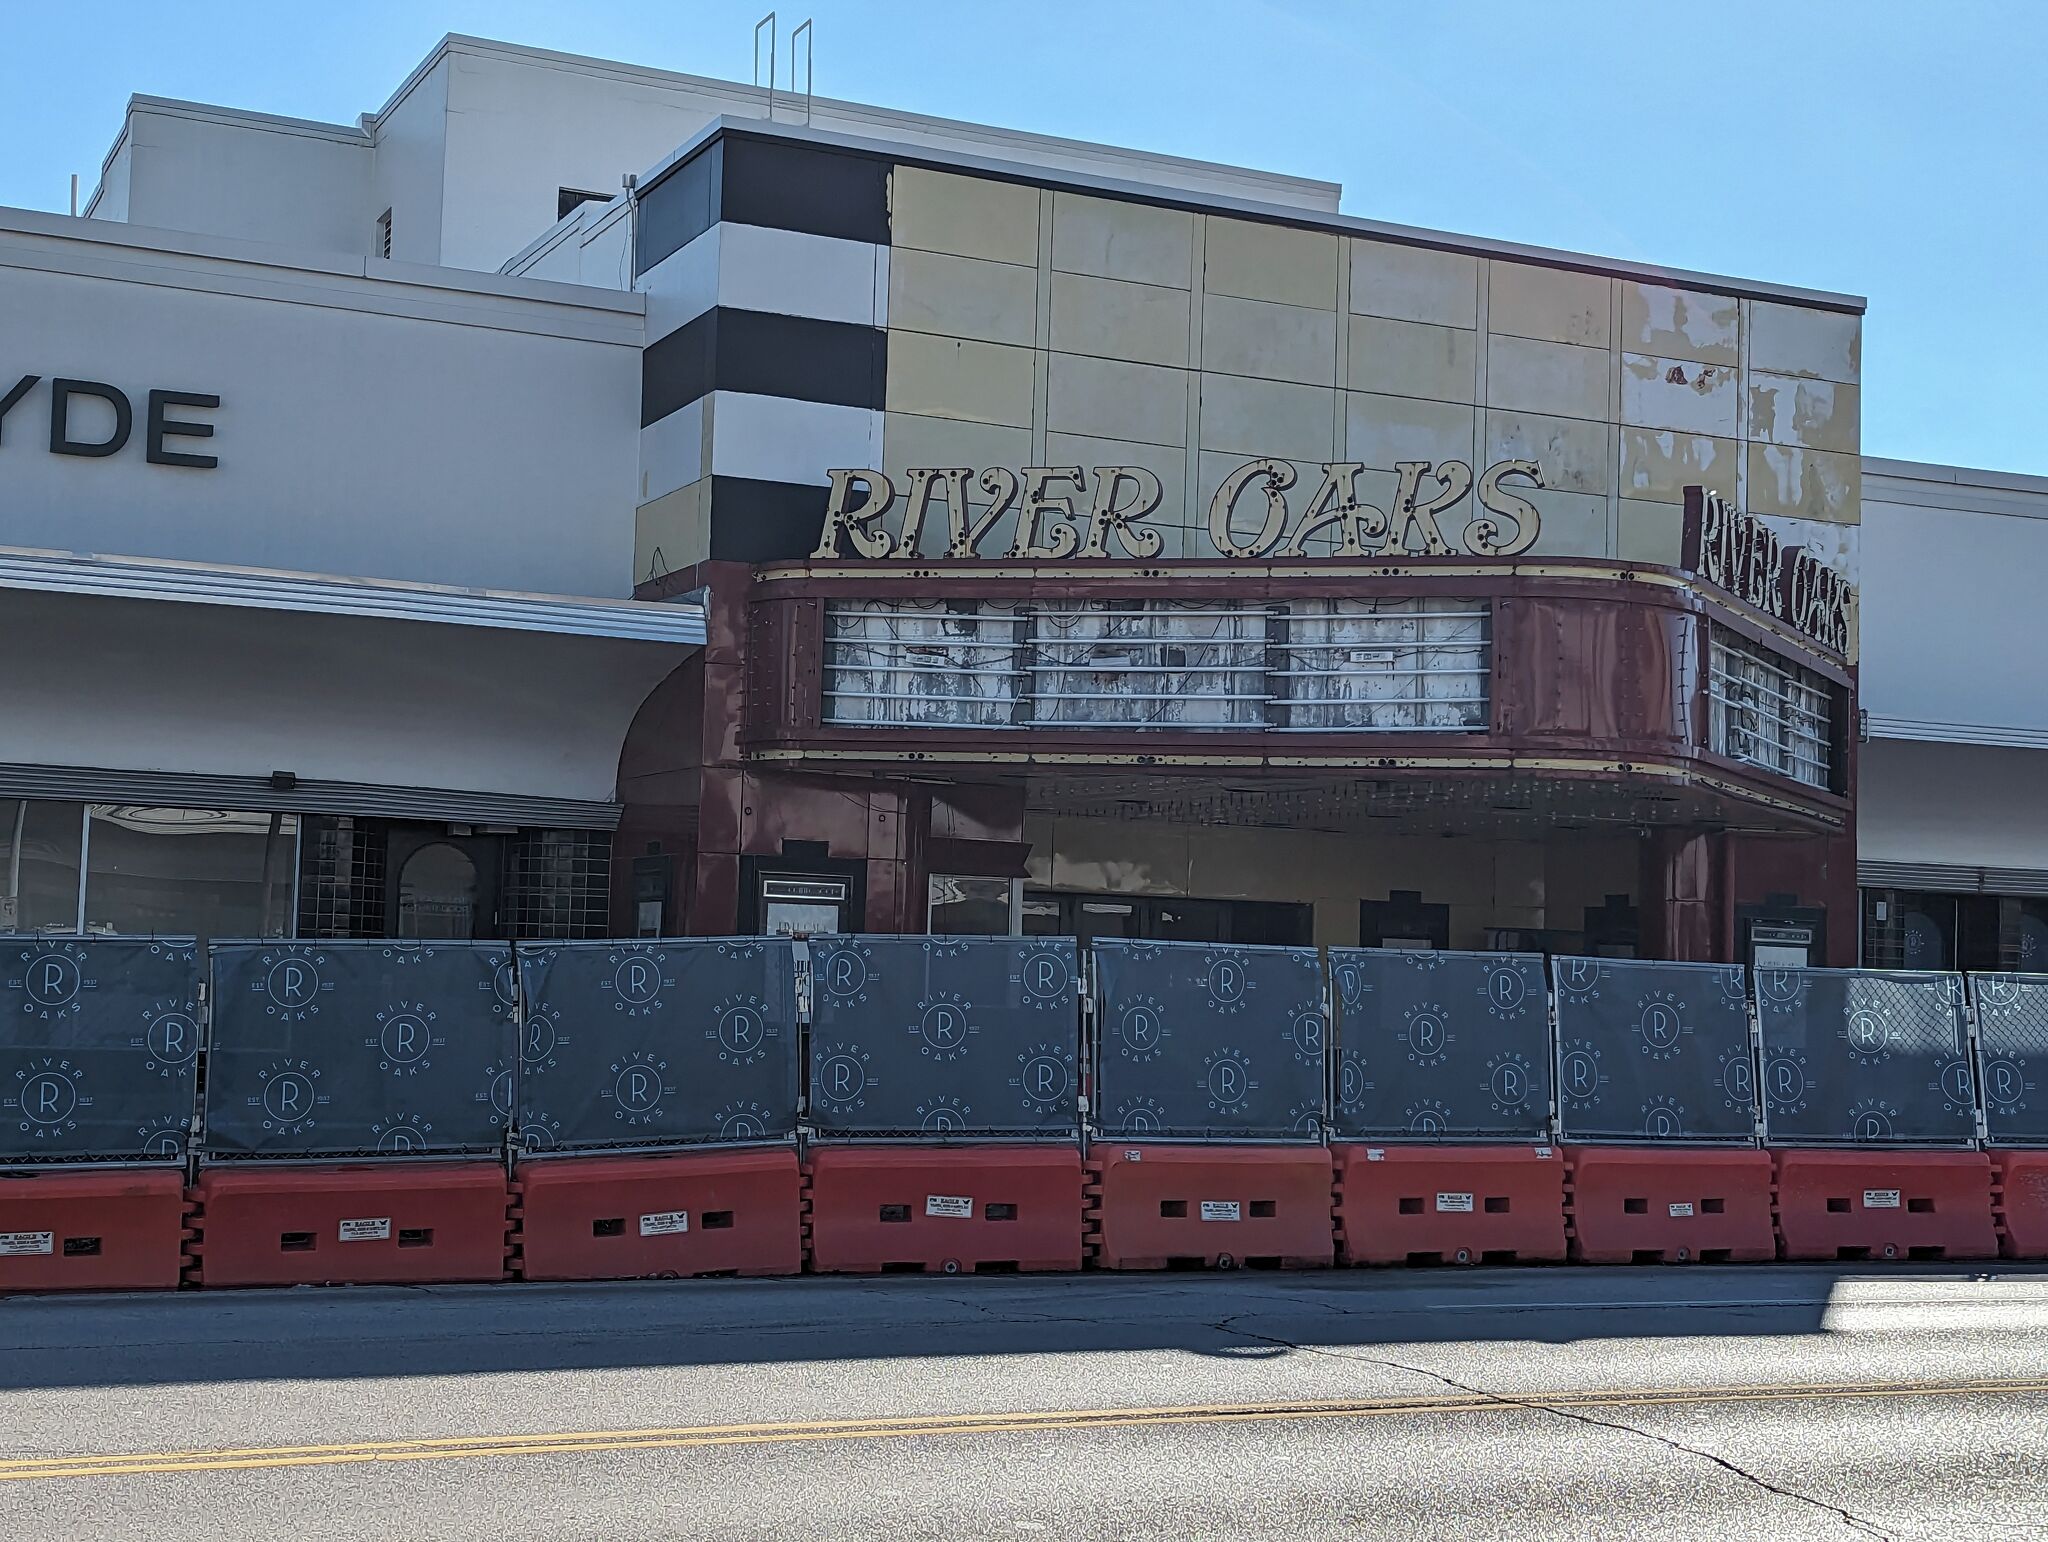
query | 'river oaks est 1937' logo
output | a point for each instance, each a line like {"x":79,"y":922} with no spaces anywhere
{"x":1061,"y":513}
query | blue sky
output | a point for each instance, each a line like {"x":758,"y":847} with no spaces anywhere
{"x":1890,"y":149}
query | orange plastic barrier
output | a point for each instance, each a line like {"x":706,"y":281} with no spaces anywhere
{"x":82,"y":1229}
{"x":1885,"y":1204}
{"x":944,"y":1209}
{"x":2020,"y":1200}
{"x":1215,"y":1207}
{"x":629,"y":1217}
{"x":396,"y":1223}
{"x":1449,"y":1204}
{"x":1670,"y":1205}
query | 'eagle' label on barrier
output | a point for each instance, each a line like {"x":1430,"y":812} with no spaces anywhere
{"x":369,"y":1229}
{"x":24,"y":1244}
{"x":665,"y":1223}
{"x":1880,"y":1199}
{"x":1682,"y":1208}
{"x":1220,"y":1210}
{"x":958,"y":1207}
{"x":1458,"y":1202}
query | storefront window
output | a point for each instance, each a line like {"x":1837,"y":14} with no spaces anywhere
{"x":966,"y":906}
{"x":180,"y":871}
{"x":1769,"y":712}
{"x":39,"y":851}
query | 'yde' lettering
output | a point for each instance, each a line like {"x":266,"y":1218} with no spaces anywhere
{"x":93,"y":420}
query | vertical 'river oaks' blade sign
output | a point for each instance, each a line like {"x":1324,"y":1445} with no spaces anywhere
{"x":2012,"y":1056}
{"x":689,"y":1040}
{"x":1441,"y":1046}
{"x":939,"y":1036}
{"x":99,"y":1043}
{"x":1865,"y":1056}
{"x":1209,"y":1042}
{"x":1649,"y":1050}
{"x":341,"y":1047}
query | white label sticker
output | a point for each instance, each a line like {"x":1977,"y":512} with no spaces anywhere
{"x":1134,"y":1156}
{"x":24,"y":1244}
{"x":1683,"y":1207}
{"x":1543,"y":1152}
{"x":1880,"y":1199}
{"x":665,"y":1223}
{"x":1220,"y":1210}
{"x":959,"y":1207}
{"x":370,"y":1229}
{"x":1461,"y":1202}
{"x":1375,"y":1153}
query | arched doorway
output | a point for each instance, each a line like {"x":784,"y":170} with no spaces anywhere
{"x":439,"y":893}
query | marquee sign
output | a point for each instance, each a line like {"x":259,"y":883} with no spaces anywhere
{"x":1739,"y":553}
{"x":1062,"y":512}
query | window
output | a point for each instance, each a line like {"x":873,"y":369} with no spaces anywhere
{"x":966,"y":906}
{"x":181,"y":871}
{"x":1767,"y":711}
{"x":40,"y":846}
{"x":569,"y":199}
{"x":383,"y":246}
{"x":1312,"y":666}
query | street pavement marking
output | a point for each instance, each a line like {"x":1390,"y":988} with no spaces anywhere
{"x":454,"y":1447}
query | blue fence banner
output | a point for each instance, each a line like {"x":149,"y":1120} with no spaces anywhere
{"x":99,"y":1044}
{"x":1440,"y":1045}
{"x":939,"y":1036}
{"x":1651,"y":1050}
{"x":1865,"y":1056}
{"x":2012,"y":1056}
{"x":328,"y":1048}
{"x":1209,"y":1042}
{"x":684,"y":1040}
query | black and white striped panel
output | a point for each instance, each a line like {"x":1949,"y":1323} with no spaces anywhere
{"x":766,"y":272}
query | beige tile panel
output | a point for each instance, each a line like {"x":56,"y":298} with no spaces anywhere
{"x":1805,"y":484}
{"x":1808,"y":414}
{"x":1525,"y":375}
{"x":1266,"y":417}
{"x":1115,"y":400}
{"x":1411,"y":358}
{"x":1271,"y":262}
{"x":1680,"y":323}
{"x":946,"y":377}
{"x":1680,"y":393}
{"x":1651,"y":532}
{"x":1793,"y":340}
{"x":936,"y":211}
{"x":1272,"y":342}
{"x":1576,"y":456}
{"x":1574,"y":524}
{"x":996,"y":302}
{"x":1140,"y":323}
{"x":1168,"y":463}
{"x":672,"y":532}
{"x":1383,"y":431}
{"x":1554,"y":304}
{"x":1658,"y":464}
{"x":1107,"y":239}
{"x":1413,"y":283}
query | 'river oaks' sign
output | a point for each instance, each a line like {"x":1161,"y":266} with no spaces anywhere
{"x":1742,"y":555}
{"x":1062,"y":511}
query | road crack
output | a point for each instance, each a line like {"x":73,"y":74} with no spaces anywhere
{"x":1848,"y":1518}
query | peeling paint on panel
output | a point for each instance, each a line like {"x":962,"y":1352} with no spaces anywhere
{"x":1680,"y":323}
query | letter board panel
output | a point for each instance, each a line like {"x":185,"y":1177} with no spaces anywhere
{"x":99,"y":1038}
{"x":320,"y":1048}
{"x":1440,"y":1045}
{"x":1865,"y":1056}
{"x":1654,"y":1050}
{"x":647,"y":1043}
{"x":1205,"y":1041}
{"x":944,"y":1036}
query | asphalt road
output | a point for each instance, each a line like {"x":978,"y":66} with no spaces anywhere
{"x":1762,"y":1402}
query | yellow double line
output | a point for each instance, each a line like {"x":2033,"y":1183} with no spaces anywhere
{"x":462,"y":1447}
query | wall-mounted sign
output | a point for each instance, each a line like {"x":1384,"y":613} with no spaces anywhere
{"x":1062,"y":511}
{"x":113,"y":422}
{"x":1740,"y":554}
